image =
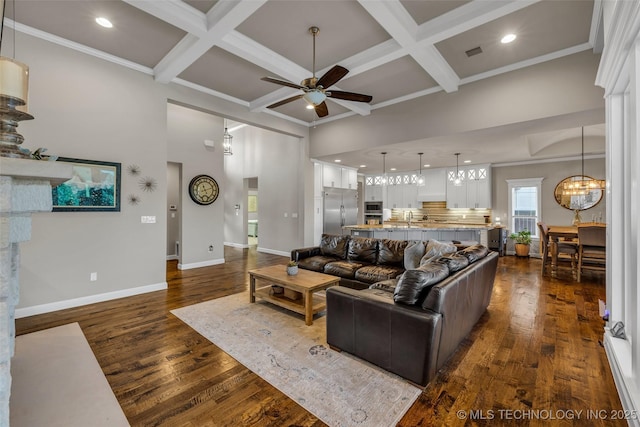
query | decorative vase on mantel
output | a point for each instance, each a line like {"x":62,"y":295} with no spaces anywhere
{"x":292,"y":269}
{"x":576,"y":218}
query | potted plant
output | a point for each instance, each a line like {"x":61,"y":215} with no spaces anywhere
{"x":292,"y":268}
{"x":522,"y":241}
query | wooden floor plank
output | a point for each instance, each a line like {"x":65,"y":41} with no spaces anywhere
{"x":536,"y":348}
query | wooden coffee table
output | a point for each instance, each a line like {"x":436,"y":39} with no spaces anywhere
{"x":306,"y":282}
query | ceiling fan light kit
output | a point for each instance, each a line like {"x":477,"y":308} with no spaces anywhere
{"x":315,"y":90}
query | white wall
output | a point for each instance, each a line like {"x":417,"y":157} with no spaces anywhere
{"x":553,"y":173}
{"x":89,"y":109}
{"x":274,"y":159}
{"x":534,"y":93}
{"x":202,"y":226}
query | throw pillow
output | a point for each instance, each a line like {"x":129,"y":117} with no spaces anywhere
{"x":474,"y":253}
{"x":414,"y":285}
{"x":435,"y":249}
{"x":336,"y":246}
{"x":454,"y":261}
{"x":413,"y":254}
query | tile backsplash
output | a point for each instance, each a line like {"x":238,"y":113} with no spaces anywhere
{"x":438,"y":212}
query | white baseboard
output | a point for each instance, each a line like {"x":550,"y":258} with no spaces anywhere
{"x":200,"y":264}
{"x":172,"y":257}
{"x":619,"y":356}
{"x":274,"y":252}
{"x":90,"y":299}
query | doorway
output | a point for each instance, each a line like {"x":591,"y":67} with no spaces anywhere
{"x":252,"y":211}
{"x":174,"y":177}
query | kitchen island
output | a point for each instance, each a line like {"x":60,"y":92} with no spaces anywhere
{"x":423,"y":231}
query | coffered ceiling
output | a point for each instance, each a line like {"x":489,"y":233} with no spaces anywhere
{"x":395,"y":50}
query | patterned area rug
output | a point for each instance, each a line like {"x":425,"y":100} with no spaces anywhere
{"x":339,"y":389}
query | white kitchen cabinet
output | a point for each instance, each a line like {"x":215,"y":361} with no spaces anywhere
{"x":331,"y":176}
{"x":435,"y":187}
{"x":456,"y":194}
{"x":414,"y":234}
{"x":373,"y":193}
{"x":317,"y":180}
{"x":394,"y":197}
{"x":430,"y":235}
{"x":475,"y":191}
{"x":479,"y":186}
{"x":349,"y":178}
{"x":402,"y":196}
{"x":339,"y":177}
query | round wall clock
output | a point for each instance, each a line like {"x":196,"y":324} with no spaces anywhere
{"x":203,"y":189}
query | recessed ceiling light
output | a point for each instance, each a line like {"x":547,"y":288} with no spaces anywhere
{"x":467,"y":161}
{"x":104,"y":22}
{"x":363,"y":166}
{"x":508,"y":38}
{"x":426,"y":166}
{"x":392,"y":169}
{"x":337,"y":160}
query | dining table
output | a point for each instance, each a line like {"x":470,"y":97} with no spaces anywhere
{"x":557,"y":232}
{"x":564,"y":232}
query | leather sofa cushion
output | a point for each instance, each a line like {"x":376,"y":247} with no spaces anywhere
{"x":346,"y":269}
{"x":414,"y":285}
{"x":391,"y":252}
{"x":386,"y":285}
{"x":436,"y":249}
{"x":336,"y":246}
{"x":380,"y":294}
{"x":454,"y":261}
{"x":413,"y":253}
{"x":363,"y":249}
{"x":316,"y":263}
{"x":378,"y":273}
{"x":474,"y":253}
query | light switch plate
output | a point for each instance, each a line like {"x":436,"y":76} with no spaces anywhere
{"x":148,"y":219}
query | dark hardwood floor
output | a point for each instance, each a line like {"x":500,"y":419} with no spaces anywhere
{"x":536,"y":349}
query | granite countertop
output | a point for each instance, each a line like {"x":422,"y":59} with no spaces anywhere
{"x":421,"y":225}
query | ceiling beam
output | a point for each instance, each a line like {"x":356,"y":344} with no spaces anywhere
{"x":223,"y":18}
{"x":467,"y":17}
{"x":395,"y":19}
{"x":175,"y":12}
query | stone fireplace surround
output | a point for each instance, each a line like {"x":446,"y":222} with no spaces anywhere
{"x":25,"y":188}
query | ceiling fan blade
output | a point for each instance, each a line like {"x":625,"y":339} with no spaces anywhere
{"x":285,"y":101}
{"x":282,"y":82}
{"x":332,"y":76}
{"x":322,"y":110}
{"x":349,"y":96}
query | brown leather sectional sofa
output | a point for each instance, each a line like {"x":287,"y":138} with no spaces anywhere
{"x":358,"y":261}
{"x":409,"y":324}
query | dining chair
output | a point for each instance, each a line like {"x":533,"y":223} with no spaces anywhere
{"x":592,"y":250}
{"x":567,"y":248}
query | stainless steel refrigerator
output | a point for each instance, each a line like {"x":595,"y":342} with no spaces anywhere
{"x":340,"y":209}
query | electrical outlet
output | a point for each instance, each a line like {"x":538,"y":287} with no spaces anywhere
{"x":93,"y":277}
{"x":210,"y":248}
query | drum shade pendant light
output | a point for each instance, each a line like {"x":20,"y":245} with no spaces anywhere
{"x":457,"y":181}
{"x":14,"y":90}
{"x":226,"y":141}
{"x":420,"y":181}
{"x":584,"y":185}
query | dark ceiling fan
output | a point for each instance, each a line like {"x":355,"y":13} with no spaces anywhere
{"x":315,"y":90}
